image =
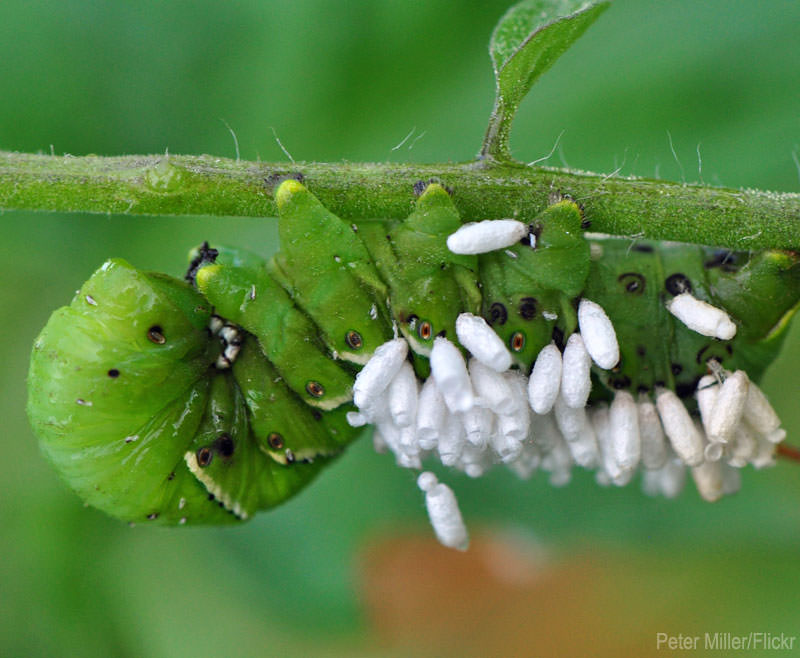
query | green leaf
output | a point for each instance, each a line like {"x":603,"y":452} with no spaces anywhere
{"x":526,"y":42}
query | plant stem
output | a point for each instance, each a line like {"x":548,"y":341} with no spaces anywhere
{"x":206,"y":185}
{"x":495,"y":147}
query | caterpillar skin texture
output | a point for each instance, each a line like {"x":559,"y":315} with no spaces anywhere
{"x":161,"y":401}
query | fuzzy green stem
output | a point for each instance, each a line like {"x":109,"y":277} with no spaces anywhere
{"x":206,"y":185}
{"x":495,"y":148}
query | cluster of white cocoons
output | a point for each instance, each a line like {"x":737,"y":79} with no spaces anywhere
{"x":476,"y":412}
{"x":473,"y":413}
{"x":738,"y":427}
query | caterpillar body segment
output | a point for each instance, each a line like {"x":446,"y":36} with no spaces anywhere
{"x":286,"y":429}
{"x":252,"y":299}
{"x":228,"y":459}
{"x":329,"y":273}
{"x":429,"y":286}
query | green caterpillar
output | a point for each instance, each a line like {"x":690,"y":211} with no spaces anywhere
{"x":156,"y":400}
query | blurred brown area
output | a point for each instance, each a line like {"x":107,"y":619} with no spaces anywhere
{"x":507,"y":596}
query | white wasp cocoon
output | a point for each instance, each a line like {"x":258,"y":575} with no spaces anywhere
{"x":475,"y":470}
{"x":376,"y":374}
{"x":450,"y":372}
{"x":483,"y":343}
{"x":427,"y":481}
{"x":408,"y":440}
{"x":764,"y":456}
{"x":673,"y":477}
{"x":488,"y":235}
{"x":651,"y":482}
{"x":708,"y":479}
{"x":405,"y":460}
{"x":598,"y":334}
{"x":560,"y":477}
{"x":570,"y":420}
{"x":475,"y":460}
{"x":654,"y":446}
{"x":376,"y":408}
{"x":727,"y":411}
{"x":526,"y":464}
{"x":478,"y":423}
{"x":679,"y":428}
{"x":492,"y":388}
{"x":706,"y":394}
{"x":514,"y":426}
{"x":517,"y":423}
{"x":576,"y":383}
{"x":624,"y":479}
{"x":701,"y":316}
{"x":431,"y":414}
{"x":599,"y":417}
{"x":776,"y":436}
{"x":759,"y":412}
{"x":389,"y":435}
{"x":714,"y":451}
{"x":402,"y":441}
{"x":443,"y":512}
{"x":519,"y":391}
{"x":584,"y":450}
{"x":558,"y":462}
{"x":601,"y":478}
{"x":451,"y":441}
{"x":623,"y":419}
{"x":545,"y":432}
{"x":666,"y":481}
{"x":743,"y":448}
{"x":411,"y":462}
{"x":731,"y":480}
{"x":403,"y":396}
{"x":545,"y":380}
{"x":507,"y":447}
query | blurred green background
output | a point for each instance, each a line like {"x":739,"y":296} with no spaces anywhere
{"x":349,"y":568}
